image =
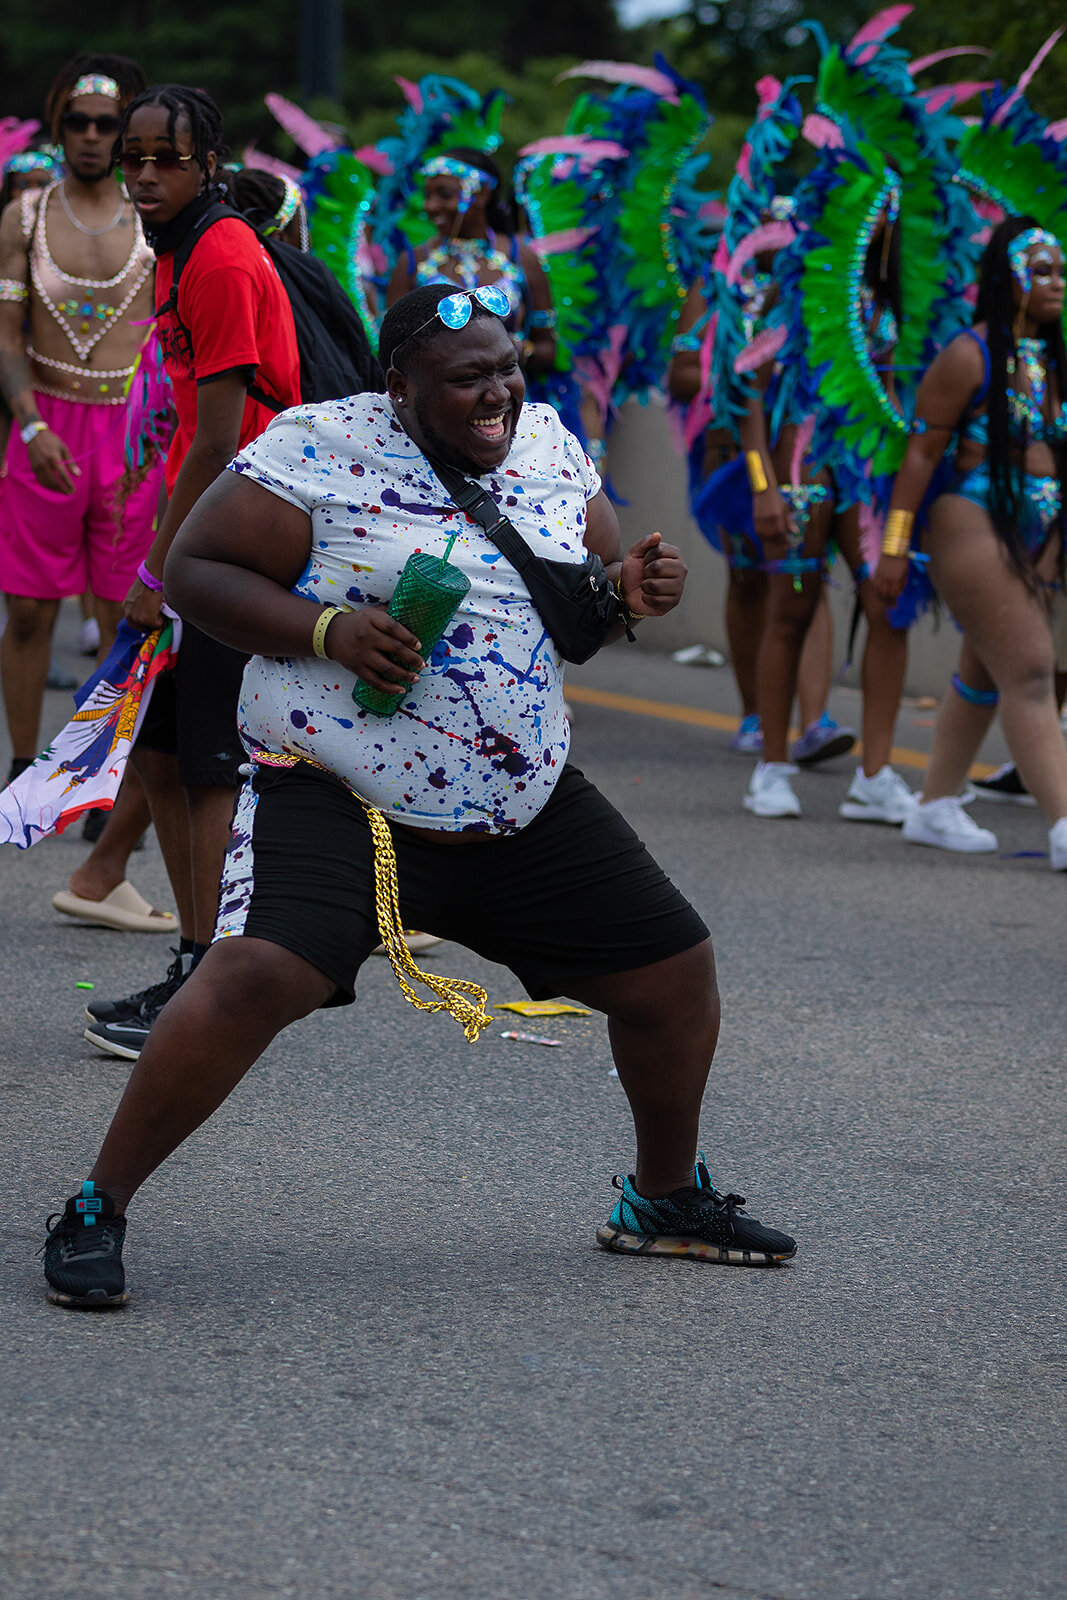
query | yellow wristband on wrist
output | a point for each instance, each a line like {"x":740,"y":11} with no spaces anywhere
{"x":318,"y":638}
{"x":896,"y":540}
{"x":757,"y":473}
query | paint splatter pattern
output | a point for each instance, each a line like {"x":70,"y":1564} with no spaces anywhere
{"x":480,"y":741}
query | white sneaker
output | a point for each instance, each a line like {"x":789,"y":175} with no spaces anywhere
{"x":883,"y":798}
{"x":945,"y":825}
{"x":89,"y":637}
{"x":770,"y":793}
{"x":1057,"y":845}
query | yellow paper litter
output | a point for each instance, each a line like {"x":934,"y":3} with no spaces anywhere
{"x":541,"y":1008}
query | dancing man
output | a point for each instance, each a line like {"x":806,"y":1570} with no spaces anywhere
{"x":496,"y":841}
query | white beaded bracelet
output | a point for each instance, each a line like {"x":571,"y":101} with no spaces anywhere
{"x":32,"y":429}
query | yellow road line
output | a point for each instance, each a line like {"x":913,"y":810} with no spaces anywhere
{"x":696,"y":718}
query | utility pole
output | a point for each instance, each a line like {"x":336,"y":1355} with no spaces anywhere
{"x":321,"y":49}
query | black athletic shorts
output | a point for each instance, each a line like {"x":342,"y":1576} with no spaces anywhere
{"x":574,"y":895}
{"x":193,"y":712}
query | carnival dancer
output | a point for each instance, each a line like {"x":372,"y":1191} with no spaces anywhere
{"x":230,"y":349}
{"x":722,"y":318}
{"x":870,"y":288}
{"x":75,"y":291}
{"x":745,"y":605}
{"x":994,"y":401}
{"x":541,"y":873}
{"x":476,"y":243}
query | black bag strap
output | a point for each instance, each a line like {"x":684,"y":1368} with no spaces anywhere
{"x":182,"y":251}
{"x":479,"y":504}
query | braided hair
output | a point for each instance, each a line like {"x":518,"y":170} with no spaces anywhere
{"x":259,"y":195}
{"x":403,"y":323}
{"x":996,"y":308}
{"x":178,"y":100}
{"x":126,"y":73}
{"x":498,"y":213}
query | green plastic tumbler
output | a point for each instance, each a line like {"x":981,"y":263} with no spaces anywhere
{"x":425,"y":600}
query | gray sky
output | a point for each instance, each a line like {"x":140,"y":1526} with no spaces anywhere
{"x":631,"y":12}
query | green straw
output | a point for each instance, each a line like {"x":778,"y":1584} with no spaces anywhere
{"x":448,"y":548}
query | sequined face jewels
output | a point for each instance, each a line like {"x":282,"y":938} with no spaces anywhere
{"x":1026,"y":250}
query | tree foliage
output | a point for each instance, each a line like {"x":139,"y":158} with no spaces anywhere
{"x":238,"y":51}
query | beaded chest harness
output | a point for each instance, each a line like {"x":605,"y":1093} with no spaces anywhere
{"x":87,"y":317}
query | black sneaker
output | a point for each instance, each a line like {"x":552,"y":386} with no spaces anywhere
{"x":154,"y":997}
{"x":699,"y":1222}
{"x":1004,"y":785}
{"x":126,"y":1039}
{"x":83,"y":1253}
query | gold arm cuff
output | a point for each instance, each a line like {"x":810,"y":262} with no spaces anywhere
{"x":896,"y":540}
{"x":757,"y":473}
{"x":318,"y":638}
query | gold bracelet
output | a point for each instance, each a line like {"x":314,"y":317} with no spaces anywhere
{"x":896,"y":540}
{"x":318,"y":638}
{"x":634,"y":616}
{"x":757,"y":474}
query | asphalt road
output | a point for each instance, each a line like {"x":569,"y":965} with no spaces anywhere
{"x":373,"y":1350}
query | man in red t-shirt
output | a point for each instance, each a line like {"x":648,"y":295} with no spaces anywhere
{"x":232,"y":327}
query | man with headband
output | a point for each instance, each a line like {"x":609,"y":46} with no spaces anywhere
{"x":76,"y":273}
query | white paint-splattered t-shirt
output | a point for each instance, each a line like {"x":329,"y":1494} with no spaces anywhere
{"x":481,"y":739}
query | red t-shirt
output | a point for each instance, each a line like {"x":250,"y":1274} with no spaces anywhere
{"x":231,"y":301}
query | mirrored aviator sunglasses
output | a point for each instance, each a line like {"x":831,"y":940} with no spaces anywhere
{"x":455,"y":309}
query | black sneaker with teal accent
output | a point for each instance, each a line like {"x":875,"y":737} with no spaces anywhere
{"x":698,"y":1222}
{"x":83,"y":1253}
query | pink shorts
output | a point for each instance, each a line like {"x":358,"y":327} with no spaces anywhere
{"x":53,"y":545}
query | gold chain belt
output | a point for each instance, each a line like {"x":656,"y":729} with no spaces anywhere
{"x":464,"y":1000}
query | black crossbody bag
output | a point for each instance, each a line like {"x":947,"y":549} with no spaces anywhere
{"x":577,"y":604}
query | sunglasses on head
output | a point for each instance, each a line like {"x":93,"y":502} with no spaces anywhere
{"x":81,"y":122}
{"x":131,"y":162}
{"x":455,"y":309}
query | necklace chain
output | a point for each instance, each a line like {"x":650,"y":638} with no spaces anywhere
{"x":83,"y":227}
{"x":39,"y":252}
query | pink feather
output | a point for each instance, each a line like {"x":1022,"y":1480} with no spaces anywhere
{"x":1026,"y":77}
{"x":768,"y":89}
{"x":881,"y":25}
{"x":310,"y":135}
{"x":15,"y":136}
{"x":763,"y":348}
{"x":801,"y":441}
{"x":744,"y":163}
{"x":713,"y":211}
{"x":375,"y":159}
{"x":822,"y":132}
{"x":950,"y":94}
{"x":411,"y":92}
{"x":626,"y":72}
{"x":771,"y":236}
{"x":553,"y":244}
{"x":922,"y":62}
{"x":1057,"y":130}
{"x":870,"y":535}
{"x":263,"y":163}
{"x":598,"y":373}
{"x":721,"y":259}
{"x":588,"y":151}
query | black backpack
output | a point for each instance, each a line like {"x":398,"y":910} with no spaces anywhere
{"x":335,"y":354}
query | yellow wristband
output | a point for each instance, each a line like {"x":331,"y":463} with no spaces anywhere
{"x":318,"y":638}
{"x":896,"y":540}
{"x":757,"y":475}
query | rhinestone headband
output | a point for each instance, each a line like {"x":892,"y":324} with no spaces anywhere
{"x":471,"y":179}
{"x":95,"y":83}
